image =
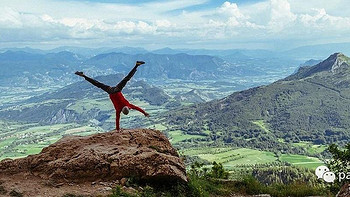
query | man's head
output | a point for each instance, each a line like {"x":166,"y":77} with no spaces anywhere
{"x":125,"y":110}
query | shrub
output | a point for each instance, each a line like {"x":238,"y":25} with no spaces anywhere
{"x":218,"y":171}
{"x":340,"y":162}
{"x":118,"y":192}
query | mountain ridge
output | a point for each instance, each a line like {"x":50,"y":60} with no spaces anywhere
{"x":335,"y":63}
{"x":307,"y":106}
{"x":19,"y":68}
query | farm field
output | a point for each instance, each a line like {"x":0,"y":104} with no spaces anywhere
{"x":311,"y":148}
{"x":20,"y":140}
{"x":302,"y":161}
{"x":233,"y":158}
{"x":178,"y":136}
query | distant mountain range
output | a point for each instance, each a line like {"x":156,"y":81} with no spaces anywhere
{"x":319,"y":51}
{"x":86,"y":52}
{"x":312,"y":105}
{"x":304,"y":53}
{"x":28,"y":66}
{"x":19,"y":68}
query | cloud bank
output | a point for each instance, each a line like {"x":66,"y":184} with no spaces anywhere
{"x":182,"y":23}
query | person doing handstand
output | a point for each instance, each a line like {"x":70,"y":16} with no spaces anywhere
{"x":116,"y":95}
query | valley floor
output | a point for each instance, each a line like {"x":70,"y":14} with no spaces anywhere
{"x":19,"y":140}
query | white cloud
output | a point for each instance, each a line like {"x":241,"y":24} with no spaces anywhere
{"x":281,"y":15}
{"x":231,"y":10}
{"x":169,"y":22}
{"x":320,"y":19}
{"x":163,"y":23}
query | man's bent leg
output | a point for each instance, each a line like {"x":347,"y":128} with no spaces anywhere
{"x":98,"y":84}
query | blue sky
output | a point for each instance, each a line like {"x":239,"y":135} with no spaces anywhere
{"x":269,"y":24}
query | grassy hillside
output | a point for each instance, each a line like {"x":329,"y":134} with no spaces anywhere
{"x":310,"y":106}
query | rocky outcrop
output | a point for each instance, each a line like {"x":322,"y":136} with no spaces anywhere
{"x":142,"y":153}
{"x":344,"y":191}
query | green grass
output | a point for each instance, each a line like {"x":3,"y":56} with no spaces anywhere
{"x":311,"y":148}
{"x":262,"y":125}
{"x":31,"y":140}
{"x":160,"y":127}
{"x":7,"y":142}
{"x":44,"y":103}
{"x":178,"y":136}
{"x":85,"y":105}
{"x":231,"y":157}
{"x":30,"y":149}
{"x":302,"y":161}
{"x":77,"y":130}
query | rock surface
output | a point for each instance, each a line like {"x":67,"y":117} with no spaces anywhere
{"x":344,"y":191}
{"x":142,"y":153}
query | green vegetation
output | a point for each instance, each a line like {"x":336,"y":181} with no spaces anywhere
{"x":302,"y":161}
{"x":20,"y":139}
{"x":203,"y":183}
{"x":310,"y":148}
{"x":251,"y":186}
{"x":179,"y":136}
{"x":84,"y":105}
{"x":310,"y":106}
{"x":282,"y":173}
{"x":340,"y":163}
{"x":236,"y":158}
{"x":262,"y":125}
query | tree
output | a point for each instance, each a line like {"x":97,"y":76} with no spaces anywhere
{"x":218,"y":171}
{"x":340,"y":162}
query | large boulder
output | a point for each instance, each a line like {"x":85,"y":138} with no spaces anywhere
{"x":141,"y":153}
{"x":344,"y":191}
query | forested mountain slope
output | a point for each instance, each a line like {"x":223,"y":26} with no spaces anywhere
{"x":311,"y":105}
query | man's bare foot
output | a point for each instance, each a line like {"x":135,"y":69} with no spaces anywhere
{"x":80,"y":73}
{"x":138,"y":63}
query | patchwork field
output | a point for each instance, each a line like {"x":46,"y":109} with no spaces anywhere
{"x":302,"y":161}
{"x":20,"y":140}
{"x":178,"y":136}
{"x":233,"y":158}
{"x":311,"y":148}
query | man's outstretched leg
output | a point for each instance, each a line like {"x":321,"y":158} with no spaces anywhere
{"x":95,"y":83}
{"x":123,"y":82}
